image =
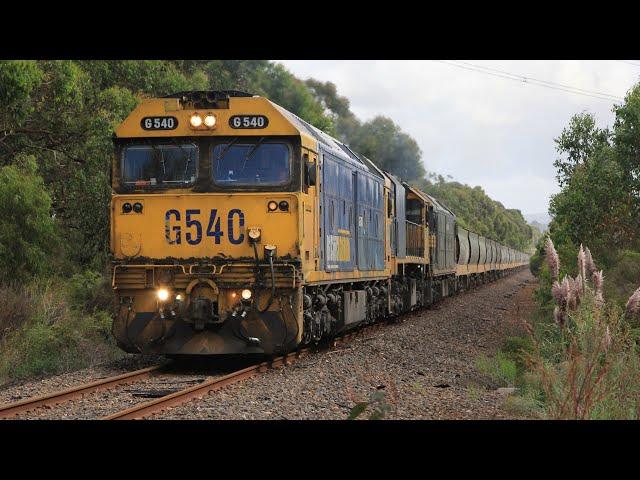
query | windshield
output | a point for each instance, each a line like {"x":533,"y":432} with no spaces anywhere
{"x":160,"y":164}
{"x":257,"y":164}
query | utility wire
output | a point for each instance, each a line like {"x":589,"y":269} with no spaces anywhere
{"x":526,"y":79}
{"x":530,"y":80}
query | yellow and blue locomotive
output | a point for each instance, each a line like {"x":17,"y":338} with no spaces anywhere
{"x":238,"y":228}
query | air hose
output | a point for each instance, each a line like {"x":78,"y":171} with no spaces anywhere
{"x":273,"y":289}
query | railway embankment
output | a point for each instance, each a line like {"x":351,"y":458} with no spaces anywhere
{"x":442,"y":363}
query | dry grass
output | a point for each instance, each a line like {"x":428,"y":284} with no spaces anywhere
{"x":585,"y":364}
{"x":47,"y":327}
{"x":16,"y":307}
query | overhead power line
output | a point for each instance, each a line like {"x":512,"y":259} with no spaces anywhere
{"x":530,"y":80}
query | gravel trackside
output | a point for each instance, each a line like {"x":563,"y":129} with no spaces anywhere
{"x":421,"y":368}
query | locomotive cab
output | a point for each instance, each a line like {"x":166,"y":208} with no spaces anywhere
{"x":205,"y":222}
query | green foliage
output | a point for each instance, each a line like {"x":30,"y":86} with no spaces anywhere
{"x":376,"y":404}
{"x":477,"y":212}
{"x":585,"y":376}
{"x":588,"y":366}
{"x":18,"y":79}
{"x":383,"y":142}
{"x":56,"y":333}
{"x":579,"y":142}
{"x":501,"y":368}
{"x":90,"y":291}
{"x":623,"y":277}
{"x":27,"y":231}
{"x":599,"y":172}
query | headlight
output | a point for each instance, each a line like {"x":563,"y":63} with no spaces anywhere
{"x":210,"y":121}
{"x":246,"y":294}
{"x":195,"y":120}
{"x":126,"y":207}
{"x":284,"y":205}
{"x":137,"y":207}
{"x":179,"y":298}
{"x":163,"y":294}
{"x":272,"y":206}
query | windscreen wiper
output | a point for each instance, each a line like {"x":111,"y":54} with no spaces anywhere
{"x":161,"y":154}
{"x":224,"y":150}
{"x":251,"y":152}
{"x":185,"y":156}
{"x":227,"y":147}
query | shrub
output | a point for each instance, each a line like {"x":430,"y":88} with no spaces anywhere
{"x":16,"y":309}
{"x":622,"y":277}
{"x":501,"y":368}
{"x":91,"y":291}
{"x":584,"y":363}
{"x":28,"y":233}
{"x":56,"y":331}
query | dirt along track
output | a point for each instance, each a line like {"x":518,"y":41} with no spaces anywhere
{"x":422,"y":367}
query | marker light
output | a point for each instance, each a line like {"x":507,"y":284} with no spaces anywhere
{"x":179,"y":297}
{"x":272,"y":206}
{"x":210,"y":121}
{"x":269,"y":251}
{"x":195,"y":120}
{"x":254,"y":234}
{"x":163,"y":294}
{"x":284,"y":205}
{"x":246,"y":294}
{"x":137,"y":207}
{"x":126,"y":207}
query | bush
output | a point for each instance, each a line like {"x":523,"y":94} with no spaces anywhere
{"x":623,"y":277}
{"x":17,"y":308}
{"x":501,"y":368}
{"x":27,"y":231}
{"x":57,"y":333}
{"x":583,"y":362}
{"x":91,"y":291}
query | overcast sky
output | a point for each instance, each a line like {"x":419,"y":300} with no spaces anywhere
{"x":480,"y":129}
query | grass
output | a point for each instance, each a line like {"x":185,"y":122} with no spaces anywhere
{"x":585,"y":366}
{"x":622,"y":278}
{"x":51,"y":327}
{"x":501,"y":368}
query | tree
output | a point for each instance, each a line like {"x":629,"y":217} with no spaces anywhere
{"x":477,"y":212}
{"x":383,"y":142}
{"x":28,"y":234}
{"x":577,"y":144}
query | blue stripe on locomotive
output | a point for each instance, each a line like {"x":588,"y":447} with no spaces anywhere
{"x":352,"y":217}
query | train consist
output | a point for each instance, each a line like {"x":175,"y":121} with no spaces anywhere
{"x":238,"y":228}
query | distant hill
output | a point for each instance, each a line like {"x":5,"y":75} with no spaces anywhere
{"x":538,"y":220}
{"x":478,"y":212}
{"x":540,"y":226}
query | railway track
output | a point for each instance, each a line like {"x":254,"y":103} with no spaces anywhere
{"x":24,"y":406}
{"x":157,"y":405}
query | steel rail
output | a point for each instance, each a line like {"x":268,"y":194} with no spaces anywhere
{"x":145,"y":409}
{"x":12,"y":409}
